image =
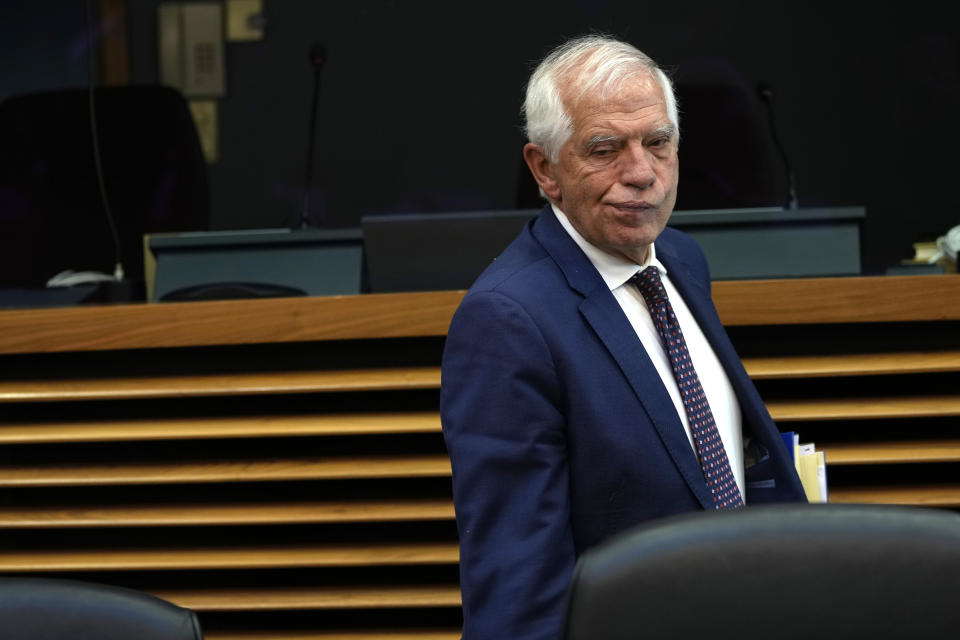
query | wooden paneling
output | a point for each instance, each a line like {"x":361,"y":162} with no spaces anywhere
{"x":751,"y":302}
{"x":864,"y":407}
{"x":258,"y":557}
{"x":842,"y":300}
{"x":235,"y":470}
{"x":114,"y":51}
{"x":287,"y":599}
{"x":893,"y":452}
{"x":224,"y":514}
{"x":229,"y":384}
{"x":851,"y":364}
{"x":204,"y":427}
{"x":284,"y":473}
{"x":415,"y":634}
{"x":227,"y":322}
{"x":921,"y":496}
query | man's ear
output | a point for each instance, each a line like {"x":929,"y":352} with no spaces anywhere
{"x":542,"y":170}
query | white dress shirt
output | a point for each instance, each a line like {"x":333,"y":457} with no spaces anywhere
{"x":616,"y":272}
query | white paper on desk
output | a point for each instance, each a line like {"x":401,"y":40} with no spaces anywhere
{"x":822,"y":475}
{"x":808,"y":472}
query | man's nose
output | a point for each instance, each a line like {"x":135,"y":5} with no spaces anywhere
{"x":638,"y":170}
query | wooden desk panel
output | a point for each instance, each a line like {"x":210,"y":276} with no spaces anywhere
{"x":331,"y":482}
{"x":400,"y":315}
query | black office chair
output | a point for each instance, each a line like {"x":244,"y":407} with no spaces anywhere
{"x":52,"y":609}
{"x":786,"y":571}
{"x":52,"y":215}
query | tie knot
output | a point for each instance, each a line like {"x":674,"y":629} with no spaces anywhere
{"x":650,"y":286}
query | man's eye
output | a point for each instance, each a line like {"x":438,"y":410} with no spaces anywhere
{"x":658,"y":142}
{"x":601,"y":152}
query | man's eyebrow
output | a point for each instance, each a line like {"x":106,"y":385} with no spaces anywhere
{"x":667,"y":130}
{"x":595,"y":140}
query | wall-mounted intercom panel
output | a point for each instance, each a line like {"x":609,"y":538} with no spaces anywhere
{"x":191,"y":53}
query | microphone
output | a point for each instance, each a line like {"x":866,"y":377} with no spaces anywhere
{"x":765,"y":93}
{"x":318,"y":57}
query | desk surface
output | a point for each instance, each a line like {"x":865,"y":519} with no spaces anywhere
{"x":400,"y":315}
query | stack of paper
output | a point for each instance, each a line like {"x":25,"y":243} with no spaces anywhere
{"x":811,"y":466}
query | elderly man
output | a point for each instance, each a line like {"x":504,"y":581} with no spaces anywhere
{"x":588,"y":384}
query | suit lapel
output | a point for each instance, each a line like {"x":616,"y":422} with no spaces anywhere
{"x":603,"y":314}
{"x":696,"y":297}
{"x":701,"y":306}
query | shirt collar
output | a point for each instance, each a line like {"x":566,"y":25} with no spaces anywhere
{"x":614,"y":270}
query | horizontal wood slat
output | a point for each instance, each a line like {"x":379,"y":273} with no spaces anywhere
{"x":336,"y":597}
{"x":400,"y":378}
{"x":840,"y":300}
{"x":198,"y":514}
{"x":891,"y":452}
{"x":860,"y":364}
{"x":862,"y":408}
{"x":924,"y":496}
{"x":225,"y":322}
{"x":385,"y":379}
{"x":392,"y":634}
{"x":229,"y":427}
{"x":233,"y":470}
{"x":368,"y":316}
{"x":258,"y":557}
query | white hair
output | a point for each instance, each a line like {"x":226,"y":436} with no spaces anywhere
{"x":588,"y":65}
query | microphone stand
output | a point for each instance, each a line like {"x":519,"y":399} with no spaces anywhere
{"x":318,"y":56}
{"x":766,"y":96}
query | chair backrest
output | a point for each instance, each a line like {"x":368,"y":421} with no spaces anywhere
{"x":52,"y":216}
{"x":785,"y":571}
{"x":53,"y":609}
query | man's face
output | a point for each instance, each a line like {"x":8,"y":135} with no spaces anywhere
{"x":616,"y":176}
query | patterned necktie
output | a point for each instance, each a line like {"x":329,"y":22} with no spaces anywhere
{"x":710,"y":451}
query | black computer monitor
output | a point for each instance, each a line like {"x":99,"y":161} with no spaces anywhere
{"x":435,"y":251}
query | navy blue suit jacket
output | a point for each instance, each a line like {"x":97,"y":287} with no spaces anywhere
{"x":560,"y":430}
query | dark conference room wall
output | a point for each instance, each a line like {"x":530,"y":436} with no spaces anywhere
{"x":419,"y":106}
